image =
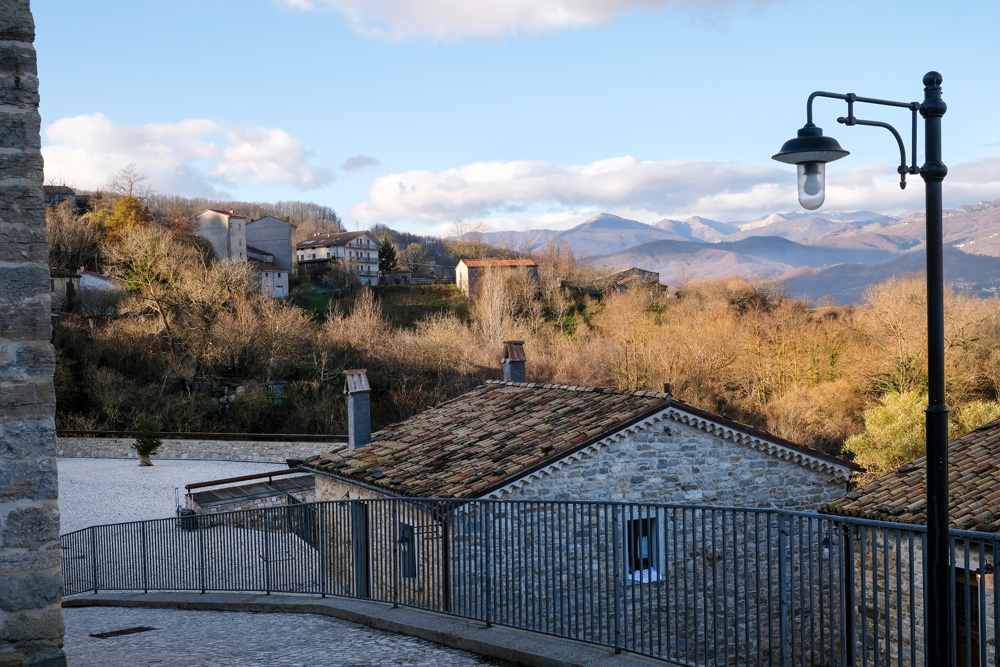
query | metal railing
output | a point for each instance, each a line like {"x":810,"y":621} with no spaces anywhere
{"x":692,"y":585}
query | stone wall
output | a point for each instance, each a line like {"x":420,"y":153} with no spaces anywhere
{"x":253,"y":451}
{"x":675,"y":463}
{"x":31,"y":621}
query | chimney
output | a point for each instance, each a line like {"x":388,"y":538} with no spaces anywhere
{"x":513,"y":361}
{"x":667,"y":389}
{"x":359,"y":422}
{"x":232,"y":211}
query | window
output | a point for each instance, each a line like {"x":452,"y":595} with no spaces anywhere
{"x":407,"y":551}
{"x":642,"y":549}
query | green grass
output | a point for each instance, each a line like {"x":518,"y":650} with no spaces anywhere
{"x":405,"y":305}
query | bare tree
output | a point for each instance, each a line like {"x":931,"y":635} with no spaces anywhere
{"x":130,"y":182}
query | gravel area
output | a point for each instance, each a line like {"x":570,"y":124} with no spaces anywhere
{"x":100,"y":491}
{"x":222,"y":639}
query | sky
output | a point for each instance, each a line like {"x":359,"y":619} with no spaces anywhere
{"x":522,"y":114}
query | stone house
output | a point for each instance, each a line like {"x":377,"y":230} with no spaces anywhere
{"x":974,"y":506}
{"x":57,"y":194}
{"x":635,"y":277}
{"x":522,"y":442}
{"x":357,"y":252}
{"x":469,"y":272}
{"x":225,"y":231}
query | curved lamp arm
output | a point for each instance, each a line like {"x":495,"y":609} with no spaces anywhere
{"x":850,"y":119}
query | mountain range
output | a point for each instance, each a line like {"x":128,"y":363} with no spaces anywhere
{"x":833,"y":255}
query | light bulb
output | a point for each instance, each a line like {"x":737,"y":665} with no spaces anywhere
{"x":812,"y":184}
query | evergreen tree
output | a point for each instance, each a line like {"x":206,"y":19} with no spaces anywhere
{"x":387,"y":255}
{"x":148,"y":442}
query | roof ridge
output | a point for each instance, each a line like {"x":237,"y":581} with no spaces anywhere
{"x":594,"y":390}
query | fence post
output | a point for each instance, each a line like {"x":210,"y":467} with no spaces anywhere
{"x":488,"y":557}
{"x":267,"y":553}
{"x":615,"y":541}
{"x":322,"y":537}
{"x":201,"y":557}
{"x":145,"y":561}
{"x":93,"y":555}
{"x":397,"y":564}
{"x":783,"y":590}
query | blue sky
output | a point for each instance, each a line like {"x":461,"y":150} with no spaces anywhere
{"x":520,"y":113}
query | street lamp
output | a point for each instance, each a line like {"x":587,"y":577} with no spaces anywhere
{"x":810,"y":151}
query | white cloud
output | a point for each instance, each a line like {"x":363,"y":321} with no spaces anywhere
{"x":453,"y":19}
{"x":485,"y":189}
{"x":192,"y":157}
{"x":532,"y":195}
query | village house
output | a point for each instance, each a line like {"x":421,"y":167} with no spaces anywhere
{"x":225,"y":232}
{"x":266,"y":243}
{"x":57,"y":194}
{"x":469,"y":272}
{"x":635,"y":277}
{"x":271,"y":279}
{"x":356,"y":252}
{"x":974,"y":506}
{"x":521,"y":442}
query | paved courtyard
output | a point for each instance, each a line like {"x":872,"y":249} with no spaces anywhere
{"x":224,"y":639}
{"x":100,"y":491}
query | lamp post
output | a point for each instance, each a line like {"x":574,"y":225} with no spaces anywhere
{"x":810,"y":151}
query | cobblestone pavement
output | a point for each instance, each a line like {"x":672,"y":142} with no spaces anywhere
{"x":99,"y":491}
{"x":226,"y":639}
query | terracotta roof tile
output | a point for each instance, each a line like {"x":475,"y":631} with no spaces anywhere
{"x":974,"y":487}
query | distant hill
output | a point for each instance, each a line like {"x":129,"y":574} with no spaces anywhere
{"x":756,"y":255}
{"x":845,"y":284}
{"x":807,"y":245}
{"x":609,"y":233}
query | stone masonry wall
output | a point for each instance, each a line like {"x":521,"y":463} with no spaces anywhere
{"x":31,"y":620}
{"x":253,"y":451}
{"x":703,"y":559}
{"x":674,"y":463}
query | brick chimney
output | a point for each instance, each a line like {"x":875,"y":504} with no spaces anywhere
{"x":359,"y":421}
{"x":513,"y":361}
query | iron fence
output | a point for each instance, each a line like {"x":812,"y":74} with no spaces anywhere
{"x":692,"y":585}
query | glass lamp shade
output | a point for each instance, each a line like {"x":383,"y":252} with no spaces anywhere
{"x":812,"y":184}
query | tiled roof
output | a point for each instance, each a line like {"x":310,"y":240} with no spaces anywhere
{"x":338,"y":238}
{"x":58,"y":190}
{"x":974,"y":487}
{"x":480,"y":263}
{"x":502,"y":431}
{"x":264,"y":266}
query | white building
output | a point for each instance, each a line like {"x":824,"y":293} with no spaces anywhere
{"x":225,"y":231}
{"x":357,"y":252}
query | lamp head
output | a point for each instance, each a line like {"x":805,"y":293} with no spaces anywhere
{"x":809,"y":152}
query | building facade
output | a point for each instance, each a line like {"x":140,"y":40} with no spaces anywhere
{"x":469,"y":272}
{"x":272,"y":236}
{"x":356,"y":252}
{"x":226,"y":232}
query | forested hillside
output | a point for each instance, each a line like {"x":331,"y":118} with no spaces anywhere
{"x":193,"y":345}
